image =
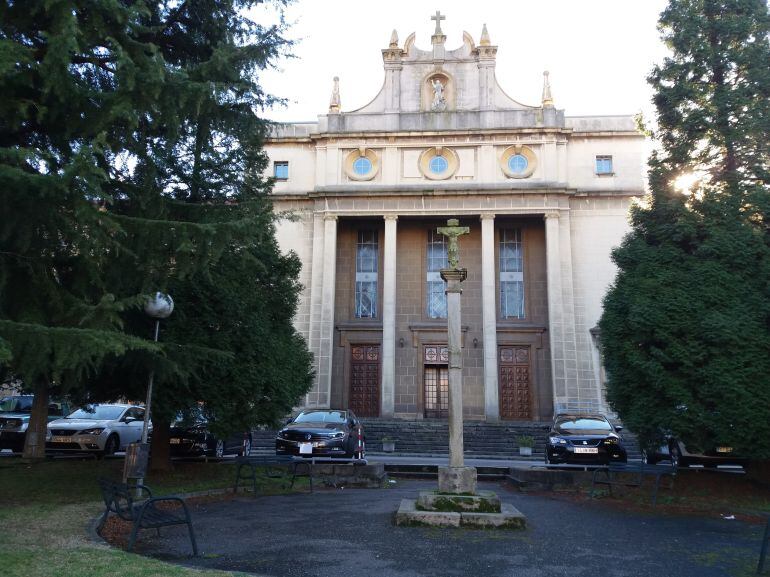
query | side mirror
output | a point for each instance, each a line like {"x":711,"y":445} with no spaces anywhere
{"x":546,"y":427}
{"x":129,"y":419}
{"x":353,"y":422}
{"x":619,"y":428}
{"x":289,"y":421}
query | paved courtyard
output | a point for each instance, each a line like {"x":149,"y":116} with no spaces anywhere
{"x":349,"y":532}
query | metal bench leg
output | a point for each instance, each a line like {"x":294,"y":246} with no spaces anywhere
{"x":132,"y":538}
{"x":763,"y":551}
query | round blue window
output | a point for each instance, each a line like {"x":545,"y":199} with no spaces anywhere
{"x":362,"y":166}
{"x":517,"y":163}
{"x":438,"y":164}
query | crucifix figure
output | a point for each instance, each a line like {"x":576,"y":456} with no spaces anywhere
{"x":452,"y":231}
{"x":438,"y":18}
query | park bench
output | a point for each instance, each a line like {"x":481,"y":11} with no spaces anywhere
{"x":276,"y":466}
{"x":619,"y":473}
{"x":145,"y":513}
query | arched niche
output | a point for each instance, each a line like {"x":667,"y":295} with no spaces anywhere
{"x":429,"y":92}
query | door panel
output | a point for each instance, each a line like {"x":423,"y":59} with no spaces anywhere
{"x":515,"y":397}
{"x":365,"y":380}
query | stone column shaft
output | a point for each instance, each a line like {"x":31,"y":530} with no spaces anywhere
{"x":327,"y":311}
{"x":388,"y":397}
{"x":453,"y":280}
{"x":489,"y":316}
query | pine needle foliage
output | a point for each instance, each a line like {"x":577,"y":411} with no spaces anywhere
{"x":686,"y":325}
{"x":130,"y":161}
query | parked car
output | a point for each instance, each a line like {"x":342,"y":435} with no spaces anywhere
{"x":101,"y":428}
{"x":678,"y":454}
{"x":192,"y":438}
{"x":327,"y":433}
{"x":584,"y":440}
{"x":15,"y":412}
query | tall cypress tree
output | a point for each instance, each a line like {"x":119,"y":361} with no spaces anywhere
{"x":129,"y":159}
{"x":686,"y":324}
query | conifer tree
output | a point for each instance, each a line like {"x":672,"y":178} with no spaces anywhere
{"x":130,"y":158}
{"x":686,"y":324}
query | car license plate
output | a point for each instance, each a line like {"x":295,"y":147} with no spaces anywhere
{"x":586,"y":450}
{"x":724,"y":449}
{"x":306,"y":448}
{"x":56,"y":439}
{"x":175,"y":441}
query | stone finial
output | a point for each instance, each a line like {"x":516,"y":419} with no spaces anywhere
{"x":547,"y":98}
{"x":334,"y":101}
{"x":393,"y":39}
{"x":485,"y":41}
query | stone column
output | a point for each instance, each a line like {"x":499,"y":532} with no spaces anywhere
{"x":316,"y":288}
{"x":388,"y":397}
{"x":561,"y":313}
{"x":328,"y":290}
{"x":489,"y":316}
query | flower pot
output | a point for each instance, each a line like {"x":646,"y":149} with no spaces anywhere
{"x":525,"y":451}
{"x":388,"y":446}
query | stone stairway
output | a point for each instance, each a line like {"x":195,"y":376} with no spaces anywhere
{"x":431,"y":437}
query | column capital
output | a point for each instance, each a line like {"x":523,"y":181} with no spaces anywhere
{"x":330,"y":217}
{"x":391,"y":217}
{"x":487,"y":216}
{"x":554,"y":215}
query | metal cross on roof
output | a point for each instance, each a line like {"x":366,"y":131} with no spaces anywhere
{"x":438,"y":18}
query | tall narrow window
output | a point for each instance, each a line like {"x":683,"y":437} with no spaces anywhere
{"x":366,"y":274}
{"x":511,"y":274}
{"x":437,"y":259}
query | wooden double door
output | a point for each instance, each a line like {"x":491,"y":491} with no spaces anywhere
{"x":514,"y":382}
{"x":364,"y":398}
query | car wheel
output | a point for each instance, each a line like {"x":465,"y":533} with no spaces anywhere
{"x":219,"y":449}
{"x":676,"y":456}
{"x":246,"y":449}
{"x":649,"y":458}
{"x":111,"y":446}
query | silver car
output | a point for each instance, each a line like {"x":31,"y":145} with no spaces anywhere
{"x":101,"y":429}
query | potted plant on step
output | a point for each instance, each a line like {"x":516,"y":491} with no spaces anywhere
{"x":388,"y":444}
{"x":525,"y":442}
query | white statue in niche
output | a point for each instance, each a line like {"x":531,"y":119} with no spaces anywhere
{"x":439,"y":102}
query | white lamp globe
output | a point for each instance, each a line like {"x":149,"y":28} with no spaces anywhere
{"x":159,"y":306}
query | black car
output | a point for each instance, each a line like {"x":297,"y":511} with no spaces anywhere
{"x":193,"y":439}
{"x":679,"y":455}
{"x":326,"y":433}
{"x":584,"y":440}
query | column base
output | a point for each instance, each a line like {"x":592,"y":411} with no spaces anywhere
{"x":457,"y":480}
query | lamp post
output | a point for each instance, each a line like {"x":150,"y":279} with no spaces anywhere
{"x":159,"y":306}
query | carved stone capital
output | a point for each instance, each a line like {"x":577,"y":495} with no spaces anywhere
{"x":554,"y":215}
{"x":391,"y":217}
{"x":487,"y":216}
{"x":330,"y":217}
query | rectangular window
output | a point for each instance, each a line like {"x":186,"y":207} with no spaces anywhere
{"x":603,"y":165}
{"x":281,"y":170}
{"x":437,"y":259}
{"x":511,"y":274}
{"x":366,"y":274}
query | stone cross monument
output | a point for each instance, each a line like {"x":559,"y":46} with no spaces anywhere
{"x":457,"y":478}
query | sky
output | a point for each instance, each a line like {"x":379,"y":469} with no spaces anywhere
{"x":598,"y":52}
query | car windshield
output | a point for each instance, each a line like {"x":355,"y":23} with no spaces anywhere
{"x":16,"y":405}
{"x":583,"y":424}
{"x":99,"y":412}
{"x":321,"y":417}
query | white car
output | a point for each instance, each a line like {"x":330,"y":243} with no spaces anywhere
{"x":101,"y":429}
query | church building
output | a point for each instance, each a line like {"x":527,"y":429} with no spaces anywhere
{"x":545,"y":196}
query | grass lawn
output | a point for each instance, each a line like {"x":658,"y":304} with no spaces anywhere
{"x":46,"y":507}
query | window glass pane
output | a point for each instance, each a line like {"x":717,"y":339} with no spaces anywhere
{"x":438,"y":164}
{"x":362,"y":165}
{"x":437,"y":259}
{"x":603,"y":164}
{"x":511,"y":274}
{"x":281,"y":170}
{"x":517,"y":163}
{"x":366,"y":274}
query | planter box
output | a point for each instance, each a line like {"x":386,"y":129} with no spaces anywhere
{"x":388,"y":446}
{"x":525,"y":451}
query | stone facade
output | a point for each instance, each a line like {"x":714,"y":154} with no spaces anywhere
{"x":442,"y":140}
